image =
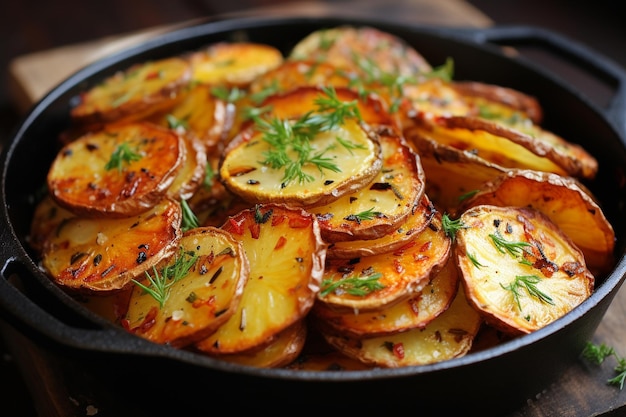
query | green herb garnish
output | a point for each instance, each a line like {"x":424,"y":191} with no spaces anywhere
{"x":369,"y":214}
{"x":598,"y":353}
{"x":122,"y":154}
{"x":450,"y":227}
{"x":358,"y":286}
{"x":515,"y":249}
{"x":160,"y":283}
{"x":189,"y":220}
{"x":529,"y":283}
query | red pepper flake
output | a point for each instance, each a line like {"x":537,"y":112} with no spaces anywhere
{"x":236,"y":226}
{"x":300,"y":222}
{"x":281,"y":243}
{"x":398,"y":350}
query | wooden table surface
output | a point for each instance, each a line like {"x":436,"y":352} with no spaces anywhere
{"x":580,"y":391}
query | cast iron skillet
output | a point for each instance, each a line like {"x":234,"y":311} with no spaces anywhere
{"x":489,"y":381}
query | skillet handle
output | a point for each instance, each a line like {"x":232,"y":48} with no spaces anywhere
{"x":574,"y":53}
{"x":47,"y":324}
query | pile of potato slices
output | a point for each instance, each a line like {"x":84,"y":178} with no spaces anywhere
{"x":347,"y":205}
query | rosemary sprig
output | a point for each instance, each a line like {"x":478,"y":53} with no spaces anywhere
{"x":189,"y":220}
{"x":353,"y":285}
{"x":160,"y":283}
{"x":121,"y":155}
{"x":368,"y":214}
{"x":598,"y":353}
{"x":529,"y":283}
{"x":515,"y":249}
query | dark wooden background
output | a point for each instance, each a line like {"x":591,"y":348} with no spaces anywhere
{"x":29,"y":26}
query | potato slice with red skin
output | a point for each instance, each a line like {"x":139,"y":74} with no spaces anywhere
{"x":519,"y":270}
{"x":381,"y":206}
{"x":502,"y":103}
{"x":250,"y":165}
{"x":419,"y":218}
{"x":120,"y":171}
{"x":103,"y":254}
{"x":400,"y":274}
{"x":452,"y":174}
{"x":415,"y":312}
{"x":449,"y":336}
{"x":363,"y":50}
{"x":565,"y":201}
{"x":234,"y":64}
{"x":135,"y":93}
{"x":199,"y":298}
{"x":286,"y":255}
{"x":281,"y":351}
{"x":48,"y":216}
{"x":192,"y":172}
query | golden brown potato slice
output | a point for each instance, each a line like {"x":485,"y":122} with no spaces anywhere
{"x":281,"y":351}
{"x":452,"y":174}
{"x":134,"y":93}
{"x":233,"y":63}
{"x":565,"y":201}
{"x":311,"y":160}
{"x":448,"y":336}
{"x":381,"y":206}
{"x":291,"y":75}
{"x":500,"y":103}
{"x":199,"y":113}
{"x":518,"y":268}
{"x":286,"y":256}
{"x":47,"y":218}
{"x":368,"y":51}
{"x":120,"y":171}
{"x":187,"y":297}
{"x":192,"y":172}
{"x":102,"y":254}
{"x":420,"y":217}
{"x":434,"y":96}
{"x":415,"y":312}
{"x":374,"y":282}
{"x":533,"y":148}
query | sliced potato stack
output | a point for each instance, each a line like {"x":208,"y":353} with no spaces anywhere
{"x":286,"y":256}
{"x":519,"y":270}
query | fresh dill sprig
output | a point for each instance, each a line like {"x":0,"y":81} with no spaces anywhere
{"x":598,"y":353}
{"x":515,"y":249}
{"x":121,"y":155}
{"x":450,"y":227}
{"x":358,"y":286}
{"x":529,"y":283}
{"x":160,"y":283}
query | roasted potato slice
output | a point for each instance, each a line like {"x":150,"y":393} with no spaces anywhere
{"x":312,"y":160}
{"x":134,"y":93}
{"x":500,"y":103}
{"x":368,"y":51}
{"x":47,"y":218}
{"x":420,"y":217}
{"x":448,"y":336}
{"x":233,"y":63}
{"x":192,"y":172}
{"x":415,"y":312}
{"x":120,"y":171}
{"x":379,"y":207}
{"x":286,"y":255}
{"x":186,"y":298}
{"x":374,"y":282}
{"x":520,"y":271}
{"x":565,"y":201}
{"x":291,"y":75}
{"x":101,"y":254}
{"x":198,"y":112}
{"x":452,"y":174}
{"x":281,"y":351}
